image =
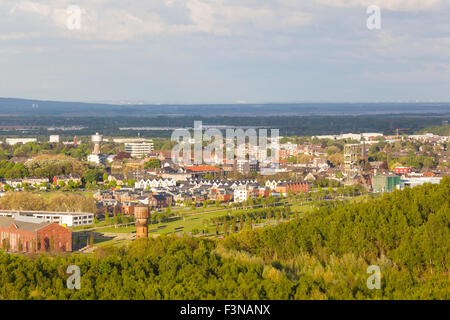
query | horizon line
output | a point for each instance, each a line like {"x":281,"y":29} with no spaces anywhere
{"x":145,"y":103}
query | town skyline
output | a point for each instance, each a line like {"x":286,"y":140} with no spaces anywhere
{"x":236,"y":157}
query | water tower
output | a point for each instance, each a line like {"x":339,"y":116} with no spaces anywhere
{"x":141,"y":215}
{"x":97,"y":140}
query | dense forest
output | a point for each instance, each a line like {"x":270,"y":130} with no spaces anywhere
{"x":39,"y":108}
{"x":323,"y":255}
{"x":443,"y":130}
{"x":162,"y":125}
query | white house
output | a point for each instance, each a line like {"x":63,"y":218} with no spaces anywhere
{"x":240,"y":194}
{"x":272,"y":184}
{"x":155,"y":183}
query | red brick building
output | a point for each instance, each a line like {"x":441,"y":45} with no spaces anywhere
{"x":27,"y":236}
{"x":128,"y":210}
{"x":294,"y":187}
{"x":221,"y":194}
{"x":253,"y":193}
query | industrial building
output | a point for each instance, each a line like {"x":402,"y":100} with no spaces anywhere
{"x":351,"y":158}
{"x":25,"y":234}
{"x":418,"y":181}
{"x":383,"y":183}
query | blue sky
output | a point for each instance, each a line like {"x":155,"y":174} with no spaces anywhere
{"x":224,"y":51}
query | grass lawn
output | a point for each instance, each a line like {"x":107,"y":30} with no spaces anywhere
{"x":113,"y":242}
{"x":192,"y":222}
{"x":198,"y":221}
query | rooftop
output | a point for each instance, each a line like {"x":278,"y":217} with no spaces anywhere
{"x":201,"y":168}
{"x":6,"y":222}
{"x":28,"y":212}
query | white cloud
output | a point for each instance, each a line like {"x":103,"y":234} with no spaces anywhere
{"x":394,"y":5}
{"x":255,"y":39}
{"x":114,"y":21}
{"x":19,"y":35}
{"x":34,"y":7}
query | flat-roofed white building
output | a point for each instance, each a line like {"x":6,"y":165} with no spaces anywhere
{"x":13,"y":141}
{"x":353,"y":136}
{"x":69,"y":219}
{"x":131,"y":140}
{"x":54,"y":138}
{"x":418,"y":181}
{"x":97,"y":158}
{"x":139,"y":149}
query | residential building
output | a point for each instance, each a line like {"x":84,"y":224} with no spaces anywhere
{"x":240,"y":194}
{"x":158,"y":201}
{"x":402,"y":170}
{"x":294,"y":187}
{"x":247,"y":166}
{"x":155,"y":183}
{"x":250,"y":191}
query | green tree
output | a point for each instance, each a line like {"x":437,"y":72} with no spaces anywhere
{"x":153,"y":163}
{"x":91,"y":176}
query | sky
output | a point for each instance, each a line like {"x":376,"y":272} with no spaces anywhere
{"x":225,"y":51}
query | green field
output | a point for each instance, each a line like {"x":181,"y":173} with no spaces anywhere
{"x":195,"y":220}
{"x":191,"y":222}
{"x":112,"y":242}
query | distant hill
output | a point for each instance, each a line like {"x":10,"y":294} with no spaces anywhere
{"x":438,"y":130}
{"x":24,"y":107}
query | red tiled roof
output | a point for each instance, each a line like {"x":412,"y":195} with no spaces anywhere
{"x":201,"y":168}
